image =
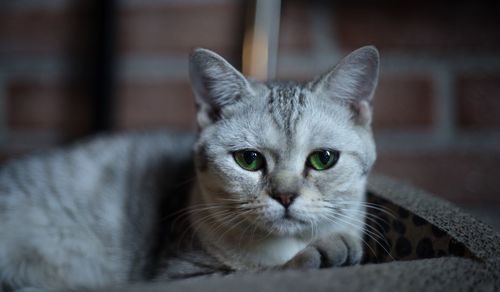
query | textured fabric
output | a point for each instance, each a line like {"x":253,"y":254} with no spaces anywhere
{"x":478,"y":271}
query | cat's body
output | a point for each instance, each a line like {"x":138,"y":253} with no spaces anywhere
{"x":101,"y":227}
{"x":277,"y":180}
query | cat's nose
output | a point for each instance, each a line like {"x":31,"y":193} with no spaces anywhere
{"x":285,"y":199}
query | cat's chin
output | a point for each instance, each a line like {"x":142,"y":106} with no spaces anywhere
{"x":287,"y":226}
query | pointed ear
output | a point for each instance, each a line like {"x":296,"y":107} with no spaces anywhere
{"x":215,"y":83}
{"x":353,"y":81}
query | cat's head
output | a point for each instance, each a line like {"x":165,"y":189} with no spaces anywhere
{"x":284,"y":157}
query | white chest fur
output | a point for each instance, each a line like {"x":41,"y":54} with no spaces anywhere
{"x":274,"y":251}
{"x":269,"y":252}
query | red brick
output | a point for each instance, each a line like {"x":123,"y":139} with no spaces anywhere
{"x":43,"y":30}
{"x":3,"y":157}
{"x":181,"y":27}
{"x":460,"y":176}
{"x":479,"y":101}
{"x":155,"y":105}
{"x":403,"y":102}
{"x":416,"y":25}
{"x":295,"y":27}
{"x":33,"y":104}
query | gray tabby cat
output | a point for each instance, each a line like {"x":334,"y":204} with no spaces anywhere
{"x":278,"y":182}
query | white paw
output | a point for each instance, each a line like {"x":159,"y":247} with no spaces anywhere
{"x":332,"y":251}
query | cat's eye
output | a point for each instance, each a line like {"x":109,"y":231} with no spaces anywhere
{"x":249,"y":159}
{"x":323,"y":159}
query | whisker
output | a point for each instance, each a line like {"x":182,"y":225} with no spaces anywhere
{"x":372,"y":206}
{"x":368,"y":233}
{"x":369,"y":205}
{"x":374,"y":219}
{"x":196,"y":206}
{"x":234,"y":226}
{"x":366,"y":227}
{"x":189,"y":211}
{"x":362,"y":223}
{"x":196,"y":224}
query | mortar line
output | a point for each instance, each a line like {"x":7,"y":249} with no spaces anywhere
{"x":152,"y":68}
{"x":22,"y":5}
{"x":45,"y":68}
{"x":399,"y":62}
{"x":444,"y":105}
{"x":135,"y":3}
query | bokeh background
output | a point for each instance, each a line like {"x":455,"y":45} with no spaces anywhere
{"x":71,"y":68}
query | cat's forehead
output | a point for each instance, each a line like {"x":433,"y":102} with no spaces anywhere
{"x":285,"y":103}
{"x":287,"y":115}
{"x":290,"y":102}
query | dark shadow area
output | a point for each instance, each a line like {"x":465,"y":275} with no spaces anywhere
{"x":90,"y":84}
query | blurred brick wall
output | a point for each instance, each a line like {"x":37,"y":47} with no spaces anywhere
{"x":47,"y":50}
{"x":43,"y":53}
{"x":155,"y":38}
{"x":437,"y":109}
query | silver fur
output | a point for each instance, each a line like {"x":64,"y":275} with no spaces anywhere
{"x":116,"y":209}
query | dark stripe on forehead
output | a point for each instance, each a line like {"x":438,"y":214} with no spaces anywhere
{"x":270,"y":107}
{"x":302,"y":99}
{"x":285,"y":106}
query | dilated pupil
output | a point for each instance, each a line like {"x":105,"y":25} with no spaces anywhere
{"x":324,"y":157}
{"x":249,"y":157}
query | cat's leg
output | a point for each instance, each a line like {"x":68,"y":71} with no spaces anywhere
{"x":338,"y":249}
{"x":55,"y":257}
{"x":35,"y":269}
{"x":23,"y":270}
{"x":25,"y":267}
{"x":190,"y":264}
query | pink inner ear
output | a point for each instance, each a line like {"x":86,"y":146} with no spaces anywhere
{"x":362,"y":112}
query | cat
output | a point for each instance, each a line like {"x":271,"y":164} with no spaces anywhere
{"x":274,"y":179}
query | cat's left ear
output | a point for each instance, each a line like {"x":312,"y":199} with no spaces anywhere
{"x":353,"y":81}
{"x":216,"y":85}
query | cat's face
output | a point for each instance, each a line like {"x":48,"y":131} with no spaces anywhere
{"x":284,"y":158}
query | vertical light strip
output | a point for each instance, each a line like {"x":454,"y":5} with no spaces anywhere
{"x":273,"y":12}
{"x":260,"y":44}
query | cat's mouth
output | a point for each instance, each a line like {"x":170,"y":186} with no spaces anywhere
{"x":283,"y":222}
{"x":288,"y":216}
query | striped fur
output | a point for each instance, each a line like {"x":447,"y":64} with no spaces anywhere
{"x":141,"y":207}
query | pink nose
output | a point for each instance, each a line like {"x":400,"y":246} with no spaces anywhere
{"x":285,"y":199}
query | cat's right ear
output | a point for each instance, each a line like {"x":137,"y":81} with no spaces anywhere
{"x":215,"y":83}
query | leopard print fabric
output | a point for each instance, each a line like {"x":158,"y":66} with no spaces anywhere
{"x":394,"y":233}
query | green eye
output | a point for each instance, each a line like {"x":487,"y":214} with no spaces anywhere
{"x":323,"y":159}
{"x":249,"y":159}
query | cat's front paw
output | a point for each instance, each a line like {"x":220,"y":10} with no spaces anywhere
{"x":332,"y":251}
